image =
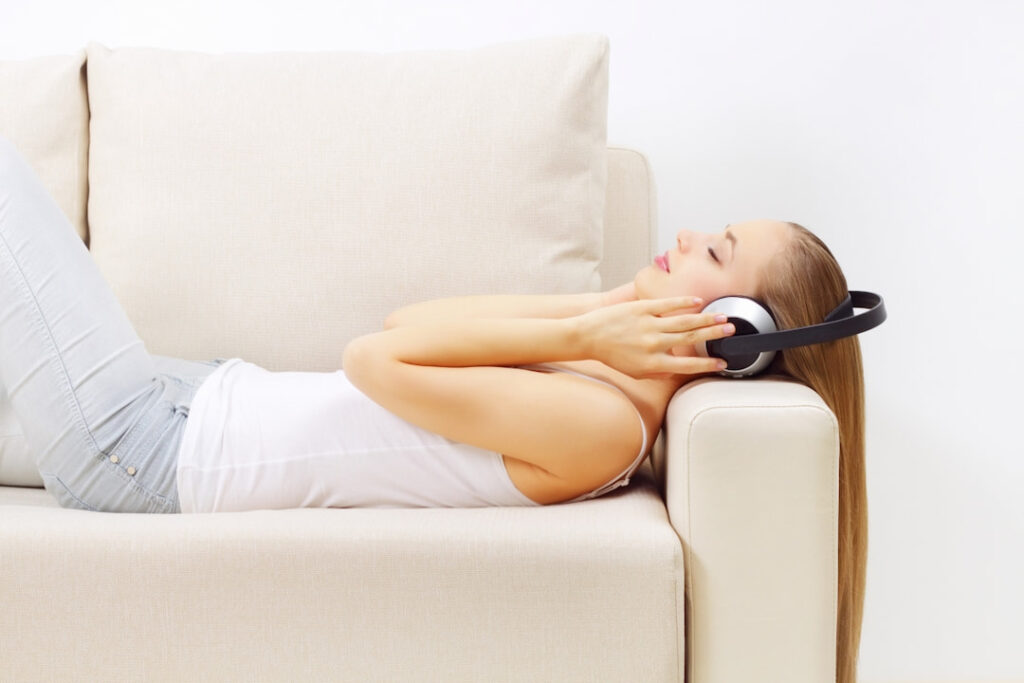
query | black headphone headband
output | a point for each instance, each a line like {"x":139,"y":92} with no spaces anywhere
{"x":838,"y":324}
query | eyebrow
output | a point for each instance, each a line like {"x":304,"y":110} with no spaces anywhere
{"x":732,"y":237}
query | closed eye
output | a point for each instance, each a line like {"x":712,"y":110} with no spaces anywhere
{"x":712,"y":252}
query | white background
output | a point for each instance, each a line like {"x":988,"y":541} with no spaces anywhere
{"x":892,"y":129}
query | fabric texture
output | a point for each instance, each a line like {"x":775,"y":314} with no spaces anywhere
{"x":750,"y":471}
{"x":340,"y":186}
{"x":262,"y":440}
{"x":45,"y":113}
{"x":591,"y":591}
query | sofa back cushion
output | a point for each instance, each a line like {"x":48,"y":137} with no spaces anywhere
{"x":273,"y":206}
{"x":45,"y":113}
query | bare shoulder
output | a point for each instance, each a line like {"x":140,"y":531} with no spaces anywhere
{"x":597,"y":431}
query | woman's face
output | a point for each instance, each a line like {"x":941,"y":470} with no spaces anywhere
{"x":712,"y":266}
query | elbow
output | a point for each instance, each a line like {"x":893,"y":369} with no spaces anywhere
{"x":367,"y":366}
{"x":346,"y":358}
{"x":353,"y":358}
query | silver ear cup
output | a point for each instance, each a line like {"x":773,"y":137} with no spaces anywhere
{"x":749,"y":317}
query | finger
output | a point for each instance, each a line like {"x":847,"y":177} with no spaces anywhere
{"x":674,"y":303}
{"x":689,"y":338}
{"x":683,"y":365}
{"x":715,"y":331}
{"x":679,"y":323}
{"x":695,"y":365}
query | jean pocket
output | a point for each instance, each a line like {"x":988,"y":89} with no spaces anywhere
{"x":64,"y":496}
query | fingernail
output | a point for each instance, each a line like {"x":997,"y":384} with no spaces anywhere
{"x":728,"y":328}
{"x":721,"y":318}
{"x":722,"y":365}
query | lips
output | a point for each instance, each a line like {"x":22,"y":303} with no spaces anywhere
{"x":662,"y":262}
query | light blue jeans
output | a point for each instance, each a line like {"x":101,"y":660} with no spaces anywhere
{"x":102,"y":417}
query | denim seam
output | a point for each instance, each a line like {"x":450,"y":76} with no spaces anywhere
{"x":68,"y":491}
{"x":153,"y":435}
{"x":41,"y":323}
{"x":158,"y":435}
{"x":134,"y":433}
{"x":155,"y":438}
{"x":127,"y":445}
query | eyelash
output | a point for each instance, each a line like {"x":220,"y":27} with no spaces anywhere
{"x":712,"y":252}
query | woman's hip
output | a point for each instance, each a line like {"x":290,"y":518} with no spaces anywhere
{"x":135,"y":470}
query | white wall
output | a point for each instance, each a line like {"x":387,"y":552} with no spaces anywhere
{"x":892,"y":129}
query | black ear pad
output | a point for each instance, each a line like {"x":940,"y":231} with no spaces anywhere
{"x":750,"y":317}
{"x":737,"y":362}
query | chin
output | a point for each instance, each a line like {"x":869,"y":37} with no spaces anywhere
{"x":646,"y":282}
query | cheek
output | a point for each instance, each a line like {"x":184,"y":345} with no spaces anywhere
{"x":708,"y":288}
{"x":652,"y":283}
{"x":643,"y":283}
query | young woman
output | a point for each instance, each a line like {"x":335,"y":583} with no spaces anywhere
{"x":469,"y":401}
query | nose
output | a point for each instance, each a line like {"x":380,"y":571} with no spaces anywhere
{"x":685,"y":239}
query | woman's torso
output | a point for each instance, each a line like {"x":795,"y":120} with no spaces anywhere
{"x":294,"y":439}
{"x":257,"y":439}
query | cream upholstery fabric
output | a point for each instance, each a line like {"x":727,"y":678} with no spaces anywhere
{"x":274,"y":206}
{"x":590,"y":591}
{"x":45,"y":112}
{"x":750,"y":474}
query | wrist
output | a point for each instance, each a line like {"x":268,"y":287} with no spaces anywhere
{"x":579,"y":334}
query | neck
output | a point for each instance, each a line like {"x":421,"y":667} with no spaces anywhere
{"x":661,"y":390}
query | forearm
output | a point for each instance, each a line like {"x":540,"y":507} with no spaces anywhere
{"x":473,"y":341}
{"x":495,"y":306}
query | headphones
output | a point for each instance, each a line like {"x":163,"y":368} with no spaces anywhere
{"x":751,"y":349}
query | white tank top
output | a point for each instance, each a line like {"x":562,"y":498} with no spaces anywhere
{"x":258,"y":439}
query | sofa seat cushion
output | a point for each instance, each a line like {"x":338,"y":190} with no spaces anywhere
{"x":515,"y":594}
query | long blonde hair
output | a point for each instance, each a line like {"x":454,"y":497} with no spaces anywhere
{"x":801,"y":285}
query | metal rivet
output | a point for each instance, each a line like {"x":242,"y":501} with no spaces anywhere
{"x":130,"y":470}
{"x":114,"y":459}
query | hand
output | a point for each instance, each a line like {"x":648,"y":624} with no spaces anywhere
{"x":652,"y":338}
{"x":620,"y":294}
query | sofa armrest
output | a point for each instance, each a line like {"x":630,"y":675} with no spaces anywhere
{"x":749,"y":474}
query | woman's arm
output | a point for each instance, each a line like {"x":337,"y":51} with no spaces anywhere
{"x":633,"y":337}
{"x":569,"y":436}
{"x":495,"y":306}
{"x":463,"y":342}
{"x":440,"y":376}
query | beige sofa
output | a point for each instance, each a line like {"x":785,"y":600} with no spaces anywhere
{"x":228,"y":201}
